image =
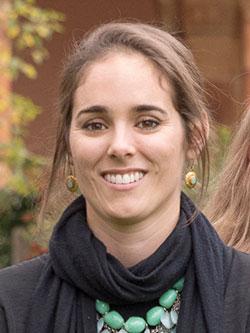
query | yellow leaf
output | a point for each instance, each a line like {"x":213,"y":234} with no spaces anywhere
{"x":43,"y":31}
{"x":22,"y":9}
{"x":3,"y":105}
{"x":29,"y":71}
{"x":28,"y":40}
{"x":15,"y":118}
{"x":12,"y":15}
{"x":5,"y":57}
{"x":13,"y":31}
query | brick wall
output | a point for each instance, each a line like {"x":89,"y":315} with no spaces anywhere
{"x":219,"y":37}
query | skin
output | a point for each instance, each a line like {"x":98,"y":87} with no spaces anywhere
{"x":124,"y":119}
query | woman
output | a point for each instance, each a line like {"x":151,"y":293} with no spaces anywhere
{"x":229,"y":207}
{"x":132,"y":254}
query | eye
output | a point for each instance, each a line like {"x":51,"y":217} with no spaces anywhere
{"x":94,"y":126}
{"x":148,"y":124}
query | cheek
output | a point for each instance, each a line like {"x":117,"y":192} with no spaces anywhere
{"x":168,"y":155}
{"x":165,"y":147}
{"x":85,"y":152}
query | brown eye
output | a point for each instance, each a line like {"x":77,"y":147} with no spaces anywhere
{"x":94,"y":126}
{"x":148,"y":124}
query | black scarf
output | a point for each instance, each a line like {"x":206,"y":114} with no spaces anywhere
{"x":79,"y":270}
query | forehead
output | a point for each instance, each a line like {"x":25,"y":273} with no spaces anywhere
{"x":116,"y":55}
{"x":122,"y":70}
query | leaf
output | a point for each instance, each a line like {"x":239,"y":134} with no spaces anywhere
{"x":5,"y":57}
{"x":24,"y":110}
{"x":39,"y":55}
{"x":28,"y":40}
{"x":29,"y":71}
{"x":4,"y":103}
{"x":43,"y":31}
{"x":13,"y":31}
{"x":28,"y":27}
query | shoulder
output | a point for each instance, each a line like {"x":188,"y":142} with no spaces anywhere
{"x":17,"y":284}
{"x":237,"y":297}
{"x":239,"y":274}
{"x":23,"y":275}
{"x":240,"y":269}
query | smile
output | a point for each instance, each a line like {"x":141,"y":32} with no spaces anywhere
{"x":126,"y":178}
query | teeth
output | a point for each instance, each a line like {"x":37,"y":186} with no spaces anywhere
{"x":118,"y":179}
{"x":127,"y":178}
{"x":137,"y":176}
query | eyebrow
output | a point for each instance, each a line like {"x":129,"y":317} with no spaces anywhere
{"x":92,"y":109}
{"x":139,"y":108}
{"x":149,"y":107}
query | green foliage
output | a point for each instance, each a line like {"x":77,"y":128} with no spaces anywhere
{"x":23,"y":165}
{"x":15,"y":210}
{"x":27,"y":27}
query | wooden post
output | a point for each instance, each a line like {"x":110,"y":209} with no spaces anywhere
{"x":5,"y":87}
{"x":245,"y":13}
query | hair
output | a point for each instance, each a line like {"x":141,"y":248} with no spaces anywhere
{"x":228,"y":207}
{"x":168,"y":54}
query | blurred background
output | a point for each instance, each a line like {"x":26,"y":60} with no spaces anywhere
{"x":35,"y":37}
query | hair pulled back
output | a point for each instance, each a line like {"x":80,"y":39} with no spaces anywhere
{"x":170,"y":56}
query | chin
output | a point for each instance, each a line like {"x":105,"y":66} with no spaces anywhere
{"x":125,"y":214}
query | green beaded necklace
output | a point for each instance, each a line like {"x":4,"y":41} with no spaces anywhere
{"x":160,"y":318}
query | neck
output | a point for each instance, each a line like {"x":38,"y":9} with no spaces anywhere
{"x":131,"y":243}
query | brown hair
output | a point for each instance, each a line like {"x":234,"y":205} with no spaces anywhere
{"x":173,"y":59}
{"x":229,"y":207}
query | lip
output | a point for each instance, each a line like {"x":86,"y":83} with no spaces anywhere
{"x":122,"y":171}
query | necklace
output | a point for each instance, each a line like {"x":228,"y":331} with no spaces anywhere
{"x":159,"y":319}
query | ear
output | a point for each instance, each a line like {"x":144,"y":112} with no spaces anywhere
{"x":199,"y":135}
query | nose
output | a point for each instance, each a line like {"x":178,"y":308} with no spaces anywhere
{"x":122,"y":144}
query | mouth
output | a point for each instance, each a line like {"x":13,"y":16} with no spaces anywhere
{"x":124,"y":178}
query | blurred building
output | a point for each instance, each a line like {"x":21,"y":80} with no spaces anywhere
{"x":217,"y":31}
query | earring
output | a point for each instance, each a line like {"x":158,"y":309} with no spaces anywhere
{"x":71,"y":183}
{"x":191,"y":179}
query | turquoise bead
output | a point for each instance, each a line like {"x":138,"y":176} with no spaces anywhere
{"x":114,"y":320}
{"x":193,"y":180}
{"x":179,"y":284}
{"x":102,"y":307}
{"x":135,"y":325}
{"x":153,"y":316}
{"x":168,"y":298}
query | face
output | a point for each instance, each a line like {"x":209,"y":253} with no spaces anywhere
{"x":126,"y":139}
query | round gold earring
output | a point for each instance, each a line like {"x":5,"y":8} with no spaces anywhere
{"x":71,"y":183}
{"x":191,"y":179}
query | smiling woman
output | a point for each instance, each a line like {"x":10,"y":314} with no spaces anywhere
{"x":138,"y":133}
{"x":132,"y":253}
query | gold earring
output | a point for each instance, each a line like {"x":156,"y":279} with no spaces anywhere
{"x":71,"y":183}
{"x":191,"y":179}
